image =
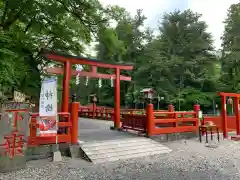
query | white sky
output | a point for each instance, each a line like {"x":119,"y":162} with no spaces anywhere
{"x":214,"y":11}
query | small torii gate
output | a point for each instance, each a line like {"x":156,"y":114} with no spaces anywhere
{"x":67,"y":72}
{"x":224,"y":117}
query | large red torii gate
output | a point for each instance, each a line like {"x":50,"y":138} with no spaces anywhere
{"x":67,"y":72}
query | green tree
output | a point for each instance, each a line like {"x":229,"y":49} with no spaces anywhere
{"x":58,"y":25}
{"x":231,"y":54}
{"x":181,"y":63}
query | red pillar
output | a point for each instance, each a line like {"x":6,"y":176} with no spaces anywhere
{"x":171,"y":109}
{"x":224,"y":116}
{"x":74,"y":120}
{"x":236,"y":104}
{"x":66,"y":84}
{"x":117,"y":122}
{"x":150,"y":120}
{"x":93,"y":110}
{"x":196,"y":109}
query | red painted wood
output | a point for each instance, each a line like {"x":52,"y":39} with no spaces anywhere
{"x":92,"y":74}
{"x":74,"y":121}
{"x":40,"y":140}
{"x":229,"y":94}
{"x":85,"y":61}
{"x":170,"y":130}
{"x":66,"y":84}
{"x":236,"y":105}
{"x":217,"y":120}
{"x":224,"y":117}
{"x":117,"y":122}
{"x":150,"y":120}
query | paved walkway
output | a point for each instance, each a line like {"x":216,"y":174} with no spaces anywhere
{"x":98,"y":130}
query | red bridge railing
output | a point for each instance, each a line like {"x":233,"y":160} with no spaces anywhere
{"x":37,"y":139}
{"x":136,"y":122}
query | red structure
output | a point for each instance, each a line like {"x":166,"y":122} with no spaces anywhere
{"x":235,"y":97}
{"x":68,"y":72}
{"x":225,"y":122}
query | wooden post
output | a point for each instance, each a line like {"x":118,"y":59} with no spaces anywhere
{"x":171,"y":109}
{"x":236,"y":104}
{"x":93,"y":110}
{"x":150,"y":120}
{"x":196,"y":109}
{"x":66,"y":84}
{"x":117,"y":122}
{"x":74,"y":120}
{"x":224,"y":116}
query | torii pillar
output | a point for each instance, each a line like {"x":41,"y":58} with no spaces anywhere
{"x":66,"y":85}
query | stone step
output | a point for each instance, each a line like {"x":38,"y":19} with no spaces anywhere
{"x":136,"y":150}
{"x":130,"y":156}
{"x":128,"y":144}
{"x":115,"y":142}
{"x":129,"y":147}
{"x":126,"y":148}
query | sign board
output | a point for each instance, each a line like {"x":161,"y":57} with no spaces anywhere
{"x":19,"y":97}
{"x":48,"y":107}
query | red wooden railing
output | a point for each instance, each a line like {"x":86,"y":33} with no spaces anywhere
{"x":97,"y":113}
{"x":179,"y":122}
{"x":36,"y":139}
{"x":105,"y":113}
{"x":217,"y":120}
{"x":136,"y":122}
{"x":162,"y":122}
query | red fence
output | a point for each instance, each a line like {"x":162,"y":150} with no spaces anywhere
{"x":104,"y":113}
{"x":174,"y":122}
{"x":137,"y":122}
{"x":217,"y":120}
{"x":97,"y":113}
{"x":162,"y":122}
{"x":157,"y":122}
{"x":37,"y":139}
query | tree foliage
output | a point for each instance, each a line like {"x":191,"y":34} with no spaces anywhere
{"x":179,"y":61}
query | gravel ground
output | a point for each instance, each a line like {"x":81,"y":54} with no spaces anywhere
{"x":189,"y":160}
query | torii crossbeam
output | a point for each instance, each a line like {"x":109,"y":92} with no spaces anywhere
{"x":67,"y":72}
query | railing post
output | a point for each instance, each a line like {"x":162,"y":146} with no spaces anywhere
{"x":224,"y":116}
{"x":93,"y":110}
{"x":236,"y":103}
{"x":32,"y":129}
{"x":196,"y":109}
{"x":74,"y":120}
{"x":171,"y":109}
{"x":150,"y":120}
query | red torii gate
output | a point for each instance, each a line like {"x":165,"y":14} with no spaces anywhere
{"x":67,"y":72}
